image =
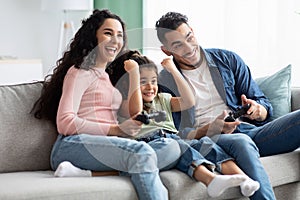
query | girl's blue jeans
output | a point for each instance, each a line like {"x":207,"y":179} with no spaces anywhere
{"x":199,"y":152}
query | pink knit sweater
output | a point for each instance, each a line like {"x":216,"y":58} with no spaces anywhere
{"x":89,"y":103}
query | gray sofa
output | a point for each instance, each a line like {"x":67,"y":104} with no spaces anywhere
{"x":25,"y":145}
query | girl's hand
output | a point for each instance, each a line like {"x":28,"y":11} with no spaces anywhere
{"x":130,"y":65}
{"x":168,"y":64}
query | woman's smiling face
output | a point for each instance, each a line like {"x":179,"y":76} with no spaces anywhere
{"x":110,"y":39}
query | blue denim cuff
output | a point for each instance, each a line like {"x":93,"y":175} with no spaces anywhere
{"x":209,"y":165}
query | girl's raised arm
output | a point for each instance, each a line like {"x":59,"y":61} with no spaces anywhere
{"x":186,"y":99}
{"x":134,"y":103}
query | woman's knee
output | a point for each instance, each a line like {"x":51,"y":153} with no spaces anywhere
{"x":168,"y":153}
{"x":172,"y":148}
{"x":143,"y":159}
{"x":144,"y":149}
{"x":163,"y":144}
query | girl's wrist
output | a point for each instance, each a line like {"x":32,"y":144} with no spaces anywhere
{"x":134,"y":71}
{"x":175,"y":72}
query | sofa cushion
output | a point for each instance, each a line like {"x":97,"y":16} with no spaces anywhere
{"x":277,"y":88}
{"x":295,"y":101}
{"x":26,"y":142}
{"x":43,"y":185}
{"x":282,"y":168}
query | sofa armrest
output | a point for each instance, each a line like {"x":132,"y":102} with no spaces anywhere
{"x":295,"y":99}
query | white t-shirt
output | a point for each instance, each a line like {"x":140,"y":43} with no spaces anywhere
{"x":209,"y":103}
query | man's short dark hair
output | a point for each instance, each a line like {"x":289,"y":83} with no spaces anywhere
{"x":168,"y":22}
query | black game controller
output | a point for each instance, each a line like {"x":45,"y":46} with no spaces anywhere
{"x":234,"y":115}
{"x":158,"y":116}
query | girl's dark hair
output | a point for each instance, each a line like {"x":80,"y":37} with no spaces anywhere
{"x":119,"y":77}
{"x":168,"y":22}
{"x":81,"y":54}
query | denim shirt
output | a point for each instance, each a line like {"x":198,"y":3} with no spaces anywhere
{"x":231,"y":77}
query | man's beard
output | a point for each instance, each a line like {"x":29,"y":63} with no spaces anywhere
{"x":191,"y":66}
{"x":198,"y":64}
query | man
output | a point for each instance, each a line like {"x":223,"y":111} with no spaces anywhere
{"x":222,"y":81}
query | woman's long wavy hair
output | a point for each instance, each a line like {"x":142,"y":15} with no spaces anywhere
{"x":81,"y":54}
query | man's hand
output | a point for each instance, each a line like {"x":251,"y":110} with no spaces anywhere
{"x":216,"y":127}
{"x":256,"y":111}
{"x":219,"y":126}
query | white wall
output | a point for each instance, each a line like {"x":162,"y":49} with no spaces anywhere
{"x":20,"y":28}
{"x":27,"y":32}
{"x":266,"y":34}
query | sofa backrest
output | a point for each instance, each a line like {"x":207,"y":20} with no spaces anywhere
{"x":25,"y":142}
{"x":295,"y":100}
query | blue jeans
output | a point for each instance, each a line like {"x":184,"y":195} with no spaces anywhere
{"x":199,"y":152}
{"x":167,"y":152}
{"x":101,"y":153}
{"x":246,"y":156}
{"x":278,"y":136}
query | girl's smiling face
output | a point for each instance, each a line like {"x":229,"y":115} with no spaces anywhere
{"x":148,"y":84}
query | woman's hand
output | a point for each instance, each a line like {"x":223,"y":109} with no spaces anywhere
{"x":126,"y":129}
{"x":130,"y":127}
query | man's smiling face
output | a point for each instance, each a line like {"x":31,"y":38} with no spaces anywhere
{"x":182,"y":44}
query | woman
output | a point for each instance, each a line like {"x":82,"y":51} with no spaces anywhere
{"x":81,"y":101}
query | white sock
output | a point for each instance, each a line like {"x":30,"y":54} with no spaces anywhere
{"x":249,"y":187}
{"x":222,"y":182}
{"x":66,"y":169}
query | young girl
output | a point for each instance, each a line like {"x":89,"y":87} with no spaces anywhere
{"x":191,"y":161}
